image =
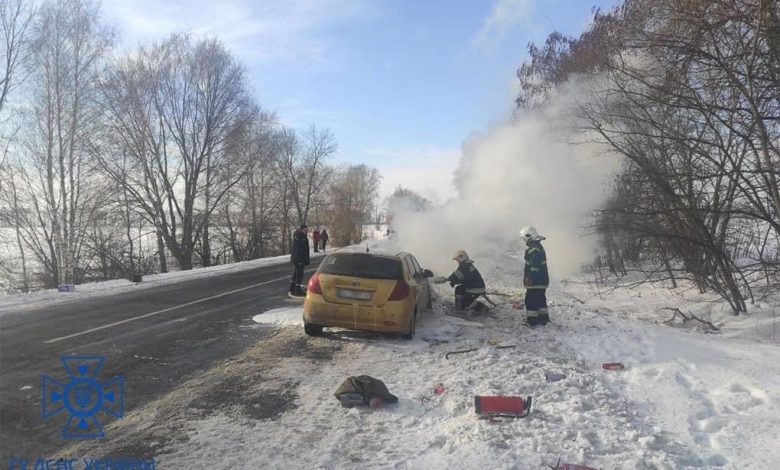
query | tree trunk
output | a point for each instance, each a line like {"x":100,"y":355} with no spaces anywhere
{"x":205,"y":251}
{"x":161,"y":252}
{"x":17,"y":227}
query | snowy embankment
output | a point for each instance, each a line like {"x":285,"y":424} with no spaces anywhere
{"x":685,"y":399}
{"x":51,"y":297}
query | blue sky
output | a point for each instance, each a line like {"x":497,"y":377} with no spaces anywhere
{"x":400,"y":83}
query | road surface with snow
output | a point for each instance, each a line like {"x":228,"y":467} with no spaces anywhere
{"x":154,"y":334}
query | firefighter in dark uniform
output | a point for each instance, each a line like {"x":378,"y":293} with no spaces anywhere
{"x":299,"y":257}
{"x":535,"y":278}
{"x":467,"y":281}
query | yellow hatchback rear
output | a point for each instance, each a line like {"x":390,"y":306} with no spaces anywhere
{"x":366,"y":291}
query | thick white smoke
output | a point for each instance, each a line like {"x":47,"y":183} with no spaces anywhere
{"x":526,"y":173}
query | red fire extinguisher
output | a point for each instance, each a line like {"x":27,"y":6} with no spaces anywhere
{"x":502,"y":407}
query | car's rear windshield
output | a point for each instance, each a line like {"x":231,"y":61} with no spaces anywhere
{"x":362,"y":265}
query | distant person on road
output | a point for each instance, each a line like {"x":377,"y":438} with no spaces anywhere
{"x":299,"y":257}
{"x":467,"y":281}
{"x":324,"y":238}
{"x":315,"y":238}
{"x":535,"y":278}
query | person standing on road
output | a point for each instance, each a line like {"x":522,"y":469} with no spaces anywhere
{"x":315,"y":238}
{"x":324,"y":238}
{"x":299,"y":257}
{"x":535,"y":278}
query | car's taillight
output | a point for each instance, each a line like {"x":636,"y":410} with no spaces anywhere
{"x":400,"y":291}
{"x":314,"y":284}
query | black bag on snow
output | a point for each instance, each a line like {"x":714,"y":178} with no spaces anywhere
{"x":357,"y":391}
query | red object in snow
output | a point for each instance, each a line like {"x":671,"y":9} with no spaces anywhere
{"x":613,"y":366}
{"x":571,"y":466}
{"x":438,"y":389}
{"x":375,"y":403}
{"x":502,"y":407}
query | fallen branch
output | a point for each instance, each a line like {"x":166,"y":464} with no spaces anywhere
{"x":688,"y":317}
{"x":573,"y":297}
{"x":462,"y":351}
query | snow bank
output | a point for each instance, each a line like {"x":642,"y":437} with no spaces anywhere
{"x":289,"y":316}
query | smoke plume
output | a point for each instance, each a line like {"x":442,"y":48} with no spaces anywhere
{"x":534,"y":172}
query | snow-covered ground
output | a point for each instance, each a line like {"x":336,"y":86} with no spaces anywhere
{"x":685,"y":400}
{"x":50,"y":297}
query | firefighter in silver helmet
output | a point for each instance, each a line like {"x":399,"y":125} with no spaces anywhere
{"x":536,"y":279}
{"x":466,"y":279}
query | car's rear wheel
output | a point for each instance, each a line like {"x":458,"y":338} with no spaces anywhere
{"x":312,"y":330}
{"x":412,"y":324}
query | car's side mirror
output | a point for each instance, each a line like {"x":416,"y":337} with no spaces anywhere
{"x":427,"y":273}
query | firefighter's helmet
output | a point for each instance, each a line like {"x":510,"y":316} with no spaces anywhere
{"x":460,"y":256}
{"x":530,"y":233}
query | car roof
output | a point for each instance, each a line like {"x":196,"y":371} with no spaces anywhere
{"x":358,"y":250}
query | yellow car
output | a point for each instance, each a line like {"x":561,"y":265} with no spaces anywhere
{"x":367,"y":291}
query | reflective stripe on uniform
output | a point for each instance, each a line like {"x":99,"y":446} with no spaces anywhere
{"x":459,"y":274}
{"x":536,"y":287}
{"x":475,"y":290}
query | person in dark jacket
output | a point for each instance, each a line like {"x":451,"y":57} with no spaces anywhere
{"x":315,"y":238}
{"x":536,"y":279}
{"x":324,"y":238}
{"x":299,"y":257}
{"x":467,"y":281}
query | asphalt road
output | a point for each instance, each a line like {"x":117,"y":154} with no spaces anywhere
{"x":154,"y":338}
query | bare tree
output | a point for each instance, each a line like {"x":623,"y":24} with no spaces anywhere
{"x":15,"y":19}
{"x":250,"y":212}
{"x":67,"y":45}
{"x":303,"y":163}
{"x":687,"y":93}
{"x":352,"y":193}
{"x":173,"y":108}
{"x":13,"y":216}
{"x":404,"y":200}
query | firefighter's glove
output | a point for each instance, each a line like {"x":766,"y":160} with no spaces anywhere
{"x":452,"y":283}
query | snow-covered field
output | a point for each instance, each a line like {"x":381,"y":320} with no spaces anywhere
{"x":685,"y":400}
